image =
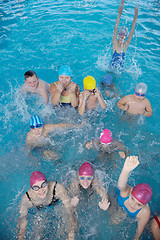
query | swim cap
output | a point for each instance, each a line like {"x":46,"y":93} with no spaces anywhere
{"x":35,"y":122}
{"x":89,"y":83}
{"x":141,"y":88}
{"x":142,"y":192}
{"x":65,"y":70}
{"x":35,"y":177}
{"x":86,"y":169}
{"x":123,"y":29}
{"x":106,"y":136}
{"x":107,"y":79}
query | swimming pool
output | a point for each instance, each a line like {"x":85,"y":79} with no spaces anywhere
{"x":43,"y":35}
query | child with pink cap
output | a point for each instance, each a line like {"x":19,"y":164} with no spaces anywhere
{"x":134,"y":200}
{"x":87,"y":181}
{"x":107,"y":144}
{"x":41,"y":194}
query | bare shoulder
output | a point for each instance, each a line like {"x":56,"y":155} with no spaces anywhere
{"x":147,"y":102}
{"x":144,"y":213}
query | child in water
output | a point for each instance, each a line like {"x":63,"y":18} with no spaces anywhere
{"x":35,"y":85}
{"x":134,"y":200}
{"x":64,"y":92}
{"x":43,"y":193}
{"x":137,"y":103}
{"x":87,"y":181}
{"x":91,"y":95}
{"x":107,"y":144}
{"x":38,"y":135}
{"x":120,"y":46}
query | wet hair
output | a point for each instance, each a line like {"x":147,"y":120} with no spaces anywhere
{"x":29,"y":73}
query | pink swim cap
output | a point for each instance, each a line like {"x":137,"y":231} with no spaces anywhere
{"x":35,"y":177}
{"x":106,"y":136}
{"x":142,"y":192}
{"x":86,"y":169}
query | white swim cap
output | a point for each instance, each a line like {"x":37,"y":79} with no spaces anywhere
{"x":141,"y":88}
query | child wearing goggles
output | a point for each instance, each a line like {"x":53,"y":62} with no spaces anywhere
{"x":137,"y":103}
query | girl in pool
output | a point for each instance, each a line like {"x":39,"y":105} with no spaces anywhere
{"x":65,"y":92}
{"x":40,"y":195}
{"x":120,"y":46}
{"x":87,"y":181}
{"x":134,"y":200}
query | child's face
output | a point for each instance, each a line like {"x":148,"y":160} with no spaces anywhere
{"x":134,"y":203}
{"x":42,"y":191}
{"x":32,"y":82}
{"x":85,"y":181}
{"x":122,"y":35}
{"x":37,"y":131}
{"x":139,"y":96}
{"x":64,"y":79}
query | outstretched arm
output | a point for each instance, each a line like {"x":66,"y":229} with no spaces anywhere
{"x":130,"y":164}
{"x":132,"y":29}
{"x":114,"y":39}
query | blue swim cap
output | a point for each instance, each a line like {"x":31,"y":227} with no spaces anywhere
{"x":35,"y":122}
{"x":107,"y":79}
{"x":65,"y":70}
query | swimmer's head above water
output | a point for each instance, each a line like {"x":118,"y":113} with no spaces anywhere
{"x":107,"y":79}
{"x":106,"y":136}
{"x":36,"y":124}
{"x":31,"y":79}
{"x":38,"y":184}
{"x":123,"y":32}
{"x":65,"y":74}
{"x":141,"y":89}
{"x":85,"y":175}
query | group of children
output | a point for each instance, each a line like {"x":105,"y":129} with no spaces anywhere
{"x":64,"y":92}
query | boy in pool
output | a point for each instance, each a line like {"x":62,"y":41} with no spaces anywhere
{"x":35,"y":85}
{"x":38,"y":135}
{"x":64,"y":92}
{"x":137,"y":103}
{"x":91,"y":95}
{"x":134,"y":200}
{"x":41,"y":194}
{"x":120,"y":46}
{"x":87,"y":181}
{"x":107,"y":144}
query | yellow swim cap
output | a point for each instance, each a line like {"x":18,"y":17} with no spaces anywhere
{"x":89,"y":83}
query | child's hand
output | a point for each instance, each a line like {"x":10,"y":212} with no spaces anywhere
{"x":88,"y":145}
{"x":59,"y":87}
{"x":122,"y":154}
{"x":136,"y":10}
{"x":142,"y":112}
{"x":104,"y":204}
{"x":126,"y":106}
{"x":72,"y":88}
{"x":131,"y":163}
{"x":97,"y":92}
{"x":74,"y":201}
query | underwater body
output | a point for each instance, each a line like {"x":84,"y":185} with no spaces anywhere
{"x":42,"y":36}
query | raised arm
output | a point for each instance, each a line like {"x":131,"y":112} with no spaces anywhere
{"x":74,"y":93}
{"x":62,"y":194}
{"x":82,"y":102}
{"x":55,"y":92}
{"x":130,"y":164}
{"x":127,"y":42}
{"x":114,"y":39}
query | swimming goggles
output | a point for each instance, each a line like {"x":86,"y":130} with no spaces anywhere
{"x":36,"y":126}
{"x":122,"y":34}
{"x":138,"y":94}
{"x":86,"y":178}
{"x":43,"y":185}
{"x":92,"y":91}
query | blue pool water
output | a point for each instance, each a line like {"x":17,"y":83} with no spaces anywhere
{"x":43,"y":35}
